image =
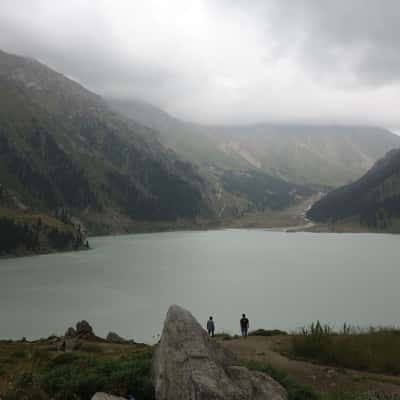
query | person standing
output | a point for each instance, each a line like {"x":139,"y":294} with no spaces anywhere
{"x":210,"y":327}
{"x":244,"y":325}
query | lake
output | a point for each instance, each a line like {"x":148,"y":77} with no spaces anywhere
{"x":280,"y":280}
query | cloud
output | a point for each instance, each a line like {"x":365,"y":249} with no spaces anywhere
{"x":223,"y":61}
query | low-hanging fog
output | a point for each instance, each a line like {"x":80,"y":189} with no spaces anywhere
{"x":226,"y":61}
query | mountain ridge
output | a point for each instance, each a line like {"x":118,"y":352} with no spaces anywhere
{"x":329,"y":155}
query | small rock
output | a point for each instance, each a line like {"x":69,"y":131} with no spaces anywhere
{"x":115,"y":338}
{"x":105,"y":396}
{"x":70,"y":333}
{"x":53,"y":339}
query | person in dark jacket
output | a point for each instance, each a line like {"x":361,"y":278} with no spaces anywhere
{"x":244,"y":325}
{"x":210,"y":327}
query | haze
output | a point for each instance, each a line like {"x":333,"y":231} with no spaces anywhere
{"x":223,"y":61}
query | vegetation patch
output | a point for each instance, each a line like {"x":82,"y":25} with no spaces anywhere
{"x":373,"y":349}
{"x":45,"y":375}
{"x":296,"y":391}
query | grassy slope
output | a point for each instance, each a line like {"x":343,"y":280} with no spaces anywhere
{"x":31,"y":218}
{"x":305,"y":379}
{"x":37,"y":371}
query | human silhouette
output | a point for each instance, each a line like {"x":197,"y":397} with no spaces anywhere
{"x":210,"y":327}
{"x":244,"y":325}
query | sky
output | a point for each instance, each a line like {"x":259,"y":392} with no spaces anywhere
{"x":223,"y":61}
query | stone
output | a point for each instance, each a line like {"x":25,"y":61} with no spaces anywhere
{"x":70,"y":333}
{"x":115,"y":338}
{"x":105,"y":396}
{"x":84,"y":330}
{"x":189,"y":365}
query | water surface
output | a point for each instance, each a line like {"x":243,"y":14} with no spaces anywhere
{"x":281,"y":280}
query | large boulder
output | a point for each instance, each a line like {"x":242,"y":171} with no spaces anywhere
{"x":189,"y":365}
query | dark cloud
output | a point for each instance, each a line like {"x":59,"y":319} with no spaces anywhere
{"x":226,"y":60}
{"x":357,"y":38}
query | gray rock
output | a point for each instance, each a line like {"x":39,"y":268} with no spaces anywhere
{"x":105,"y":396}
{"x":188,"y":365}
{"x":115,"y":338}
{"x":84,"y":329}
{"x":70,"y":333}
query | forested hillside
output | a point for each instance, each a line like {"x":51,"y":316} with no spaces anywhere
{"x":61,"y":146}
{"x":372,"y":201}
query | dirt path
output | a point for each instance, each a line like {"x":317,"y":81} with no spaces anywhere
{"x":268,"y":350}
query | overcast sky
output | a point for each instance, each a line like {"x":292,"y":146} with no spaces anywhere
{"x":223,"y":60}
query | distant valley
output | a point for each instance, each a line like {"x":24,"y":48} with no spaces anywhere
{"x":326,"y":155}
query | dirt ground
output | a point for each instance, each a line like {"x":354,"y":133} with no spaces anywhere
{"x":325,"y":379}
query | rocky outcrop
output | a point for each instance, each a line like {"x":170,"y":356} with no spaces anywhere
{"x":113,"y":337}
{"x":84,"y":329}
{"x":188,"y":365}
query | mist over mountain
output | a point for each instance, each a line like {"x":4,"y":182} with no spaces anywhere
{"x":63,"y":147}
{"x":305,"y":154}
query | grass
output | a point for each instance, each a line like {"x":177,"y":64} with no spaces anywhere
{"x":362,"y":396}
{"x":298,"y":391}
{"x":295,"y":390}
{"x":373,"y":349}
{"x":29,"y":218}
{"x":29,"y":371}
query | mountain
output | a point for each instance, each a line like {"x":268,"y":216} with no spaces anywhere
{"x":65,"y":152}
{"x":61,"y":146}
{"x":372,"y":201}
{"x":304,"y":154}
